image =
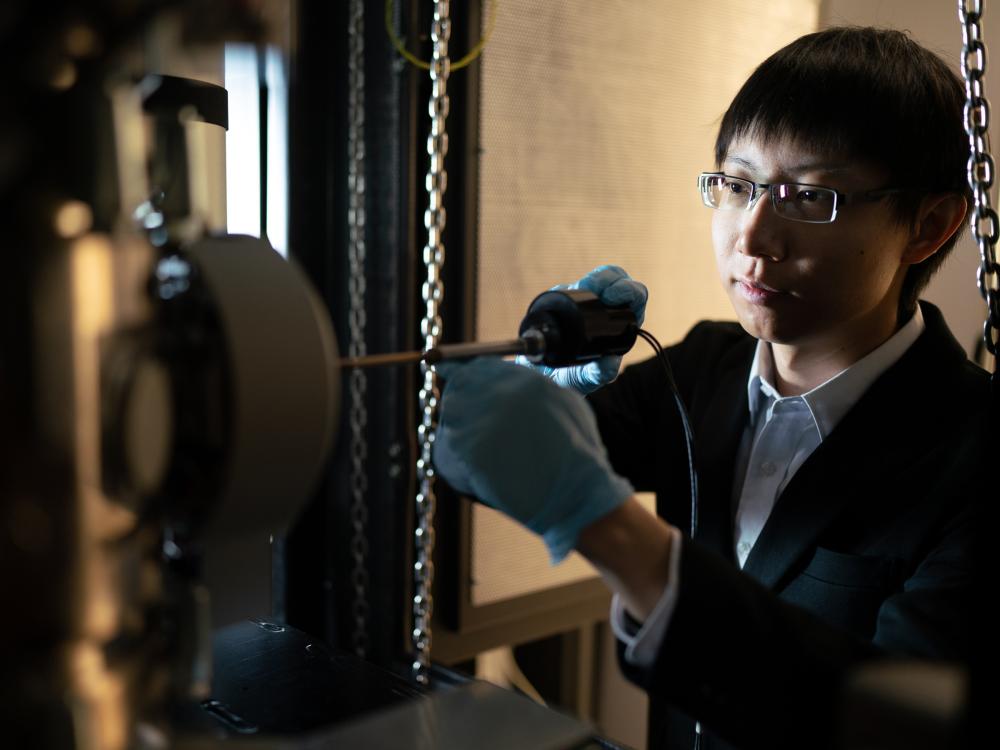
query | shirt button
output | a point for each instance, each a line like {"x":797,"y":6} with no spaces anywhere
{"x":768,"y":468}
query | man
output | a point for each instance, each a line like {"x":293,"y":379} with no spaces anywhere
{"x":839,"y":427}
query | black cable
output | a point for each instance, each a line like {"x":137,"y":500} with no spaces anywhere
{"x":688,"y":433}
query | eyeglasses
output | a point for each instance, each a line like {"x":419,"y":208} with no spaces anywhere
{"x":791,"y":200}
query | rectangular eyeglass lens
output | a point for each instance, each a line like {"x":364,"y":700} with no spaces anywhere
{"x":724,"y":192}
{"x":806,"y":203}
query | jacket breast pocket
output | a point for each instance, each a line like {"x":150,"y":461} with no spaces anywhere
{"x":844,"y":590}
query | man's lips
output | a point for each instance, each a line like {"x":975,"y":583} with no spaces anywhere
{"x":757,"y":291}
{"x":757,"y":284}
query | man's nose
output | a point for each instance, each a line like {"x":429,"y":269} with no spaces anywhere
{"x":760,"y":231}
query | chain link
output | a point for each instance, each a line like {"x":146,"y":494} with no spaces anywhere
{"x":985,"y":223}
{"x":357,"y":321}
{"x":430,"y":328}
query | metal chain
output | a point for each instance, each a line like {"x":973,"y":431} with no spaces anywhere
{"x":984,"y":221}
{"x":430,"y":328}
{"x":357,"y":320}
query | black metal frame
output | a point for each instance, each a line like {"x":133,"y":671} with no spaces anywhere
{"x":312,"y":587}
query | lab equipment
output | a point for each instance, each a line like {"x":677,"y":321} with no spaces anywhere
{"x":562,"y":327}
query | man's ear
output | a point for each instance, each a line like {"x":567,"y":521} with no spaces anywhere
{"x":938,"y":218}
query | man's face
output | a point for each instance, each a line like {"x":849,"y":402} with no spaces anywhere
{"x":818,"y":286}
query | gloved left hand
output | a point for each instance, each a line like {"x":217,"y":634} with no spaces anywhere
{"x":521,"y":444}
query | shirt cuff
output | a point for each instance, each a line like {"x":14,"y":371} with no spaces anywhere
{"x":642,"y":640}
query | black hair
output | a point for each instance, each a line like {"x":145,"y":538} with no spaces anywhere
{"x":874,"y":95}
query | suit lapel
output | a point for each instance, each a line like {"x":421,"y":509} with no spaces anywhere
{"x":863,"y":450}
{"x":718,"y":432}
{"x":813,"y":499}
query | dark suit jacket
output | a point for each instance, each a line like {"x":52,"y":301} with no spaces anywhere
{"x":866,"y":553}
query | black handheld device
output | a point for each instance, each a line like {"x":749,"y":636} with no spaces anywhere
{"x":573,"y":326}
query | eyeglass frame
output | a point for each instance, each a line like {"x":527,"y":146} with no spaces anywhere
{"x":758,"y":188}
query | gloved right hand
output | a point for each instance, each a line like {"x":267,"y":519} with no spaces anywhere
{"x":614,"y":287}
{"x":521,"y":444}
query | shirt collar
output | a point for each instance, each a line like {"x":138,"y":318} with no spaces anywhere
{"x":830,"y":401}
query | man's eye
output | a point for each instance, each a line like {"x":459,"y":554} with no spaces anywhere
{"x":807,"y":196}
{"x":736,"y":187}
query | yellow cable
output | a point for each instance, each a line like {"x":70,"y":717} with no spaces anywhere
{"x":473,"y":53}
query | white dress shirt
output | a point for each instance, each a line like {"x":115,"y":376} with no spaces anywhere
{"x":781,"y":434}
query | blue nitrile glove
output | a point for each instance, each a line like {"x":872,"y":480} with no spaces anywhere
{"x":614,"y":287}
{"x":521,"y":444}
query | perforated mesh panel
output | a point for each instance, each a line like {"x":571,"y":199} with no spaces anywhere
{"x":508,"y":561}
{"x":595,"y":119}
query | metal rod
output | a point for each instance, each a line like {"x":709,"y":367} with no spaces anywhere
{"x":439,"y":353}
{"x":377,"y":360}
{"x":474,"y":349}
